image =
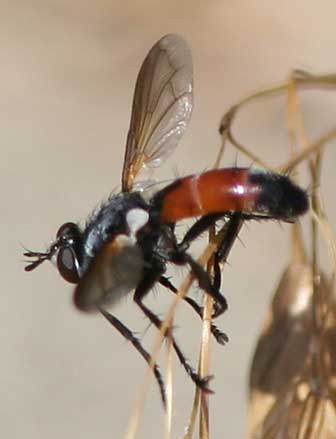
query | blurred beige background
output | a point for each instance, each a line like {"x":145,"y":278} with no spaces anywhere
{"x":66,"y":81}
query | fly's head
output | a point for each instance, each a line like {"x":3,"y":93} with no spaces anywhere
{"x":65,"y":251}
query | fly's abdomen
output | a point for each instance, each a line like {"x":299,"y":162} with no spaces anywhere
{"x":228,"y":190}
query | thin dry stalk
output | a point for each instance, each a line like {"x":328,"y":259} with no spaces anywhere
{"x":298,"y":79}
{"x":312,"y":148}
{"x":189,"y":431}
{"x":205,"y":367}
{"x":205,"y":351}
{"x":169,"y":390}
{"x":201,"y":399}
{"x":328,"y":236}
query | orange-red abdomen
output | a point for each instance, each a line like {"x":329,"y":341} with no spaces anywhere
{"x":254,"y":193}
{"x":219,"y":190}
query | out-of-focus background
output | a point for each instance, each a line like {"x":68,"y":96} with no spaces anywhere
{"x":66,"y":82}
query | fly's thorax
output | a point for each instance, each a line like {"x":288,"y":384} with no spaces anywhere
{"x":114,"y":260}
{"x":122,"y":214}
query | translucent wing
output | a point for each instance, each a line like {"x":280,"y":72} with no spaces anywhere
{"x":162,"y":106}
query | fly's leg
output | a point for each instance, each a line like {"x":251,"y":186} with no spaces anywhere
{"x":139,"y":295}
{"x":205,"y":283}
{"x":232,"y":228}
{"x":199,"y":227}
{"x":212,"y":288}
{"x":220,"y":336}
{"x":125,"y":332}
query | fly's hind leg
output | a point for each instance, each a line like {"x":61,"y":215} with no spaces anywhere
{"x":232,"y":228}
{"x":220,"y":336}
{"x":206,"y":284}
{"x":199,"y":227}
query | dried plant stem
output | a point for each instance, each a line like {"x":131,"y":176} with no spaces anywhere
{"x":297,"y":134}
{"x":302,"y":79}
{"x":298,"y":79}
{"x":293,"y":396}
{"x":328,"y":235}
{"x":169,"y":391}
{"x":248,"y":153}
{"x":189,"y":431}
{"x":299,"y":255}
{"x":297,"y":130}
{"x":205,"y":346}
{"x":205,"y":365}
{"x":303,"y":154}
{"x":203,"y":368}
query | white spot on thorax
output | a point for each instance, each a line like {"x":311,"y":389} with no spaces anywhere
{"x":136,"y":219}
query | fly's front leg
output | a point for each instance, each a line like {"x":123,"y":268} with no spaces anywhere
{"x":128,"y":334}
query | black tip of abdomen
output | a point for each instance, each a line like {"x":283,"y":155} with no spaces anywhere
{"x":279,"y":197}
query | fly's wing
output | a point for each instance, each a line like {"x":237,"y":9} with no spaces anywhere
{"x":162,"y":106}
{"x":115,"y":271}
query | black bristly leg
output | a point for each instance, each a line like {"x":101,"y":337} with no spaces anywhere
{"x":205,"y":283}
{"x":220,"y":336}
{"x":199,"y":227}
{"x":125,"y":332}
{"x":139,"y":294}
{"x":233,"y":227}
{"x":164,"y":281}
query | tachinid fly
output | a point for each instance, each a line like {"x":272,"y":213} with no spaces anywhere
{"x":126,"y":245}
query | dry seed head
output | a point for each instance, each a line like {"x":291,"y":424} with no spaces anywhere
{"x":293,"y":374}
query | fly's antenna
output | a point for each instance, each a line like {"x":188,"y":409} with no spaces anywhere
{"x":40,"y":258}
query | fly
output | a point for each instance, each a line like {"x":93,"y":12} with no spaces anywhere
{"x":128,"y":242}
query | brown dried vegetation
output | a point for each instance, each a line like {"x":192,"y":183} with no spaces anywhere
{"x":292,"y":378}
